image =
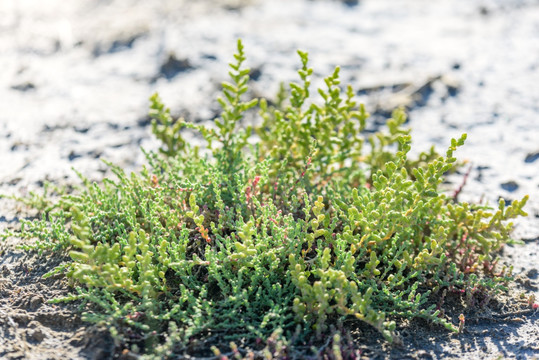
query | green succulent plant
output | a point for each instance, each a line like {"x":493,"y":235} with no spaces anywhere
{"x":315,"y":223}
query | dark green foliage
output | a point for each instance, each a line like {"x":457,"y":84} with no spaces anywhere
{"x":304,"y":228}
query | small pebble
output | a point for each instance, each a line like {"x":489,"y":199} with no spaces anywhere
{"x":531,"y":157}
{"x":26,"y":86}
{"x":36,"y":335}
{"x":36,"y":302}
{"x":532,"y":273}
{"x":173,"y":66}
{"x":510,"y":186}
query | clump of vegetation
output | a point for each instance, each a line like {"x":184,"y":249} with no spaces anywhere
{"x":313,"y":224}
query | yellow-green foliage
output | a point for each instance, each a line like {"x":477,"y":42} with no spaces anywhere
{"x":308,"y":227}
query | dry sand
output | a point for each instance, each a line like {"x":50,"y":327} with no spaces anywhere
{"x":76,"y":77}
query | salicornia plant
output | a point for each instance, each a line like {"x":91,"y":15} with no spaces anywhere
{"x":315,"y":223}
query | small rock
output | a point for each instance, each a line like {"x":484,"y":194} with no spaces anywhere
{"x":351,"y":2}
{"x":528,"y":285}
{"x":173,"y":66}
{"x":531,"y":157}
{"x":255,"y":74}
{"x":25,"y":86}
{"x":144,"y":121}
{"x":73,"y":155}
{"x":209,"y":57}
{"x":510,"y":186}
{"x":36,"y":302}
{"x":36,"y":334}
{"x":532,"y":273}
{"x":81,"y":129}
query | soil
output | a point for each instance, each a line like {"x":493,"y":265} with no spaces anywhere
{"x":74,"y":86}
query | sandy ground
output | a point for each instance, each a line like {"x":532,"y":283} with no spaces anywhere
{"x":76,"y":77}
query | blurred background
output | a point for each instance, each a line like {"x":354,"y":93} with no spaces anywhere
{"x":76,"y":77}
